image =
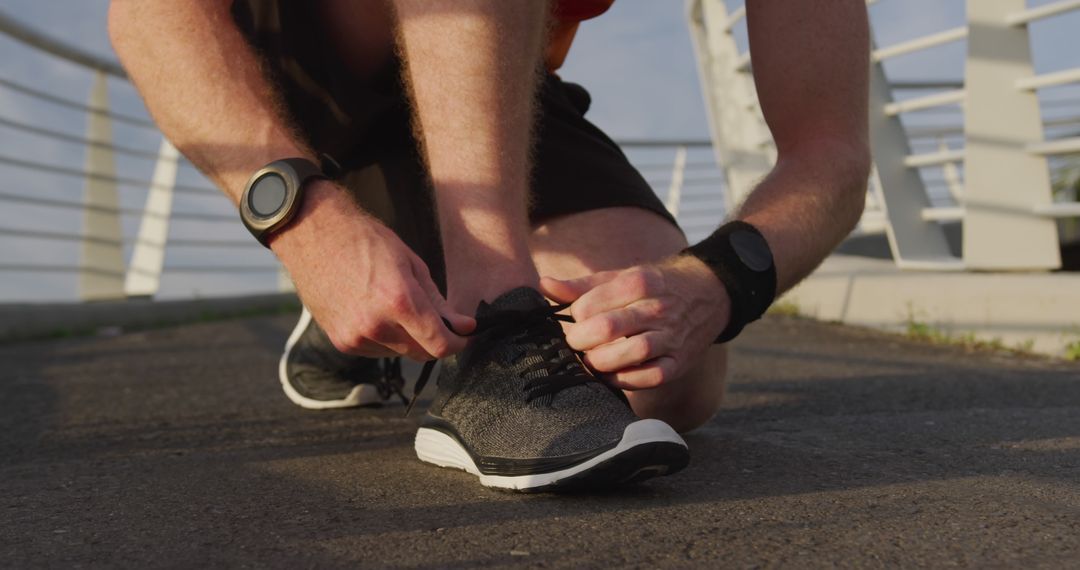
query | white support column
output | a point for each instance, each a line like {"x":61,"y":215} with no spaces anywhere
{"x":915,"y":242}
{"x":674,"y":195}
{"x":102,"y":256}
{"x":952,"y":175}
{"x":284,"y":282}
{"x":148,"y":258}
{"x":1004,"y":183}
{"x":742,"y":142}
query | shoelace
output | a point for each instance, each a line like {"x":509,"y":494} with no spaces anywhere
{"x":392,"y":382}
{"x":560,"y":364}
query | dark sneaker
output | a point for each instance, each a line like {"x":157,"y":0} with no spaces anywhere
{"x":519,"y":410}
{"x":316,"y":376}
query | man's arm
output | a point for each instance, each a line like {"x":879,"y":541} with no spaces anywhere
{"x":205,"y":88}
{"x":811,"y":68}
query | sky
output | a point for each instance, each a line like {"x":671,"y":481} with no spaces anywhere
{"x":637,"y":61}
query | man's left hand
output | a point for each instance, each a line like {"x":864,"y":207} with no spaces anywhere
{"x":643,"y":326}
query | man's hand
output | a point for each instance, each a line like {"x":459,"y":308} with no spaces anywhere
{"x":643,"y":326}
{"x":371,"y":294}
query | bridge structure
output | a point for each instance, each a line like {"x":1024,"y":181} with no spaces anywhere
{"x":964,"y":212}
{"x":835,"y":446}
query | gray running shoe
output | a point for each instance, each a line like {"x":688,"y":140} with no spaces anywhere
{"x":316,"y":376}
{"x":518,"y":409}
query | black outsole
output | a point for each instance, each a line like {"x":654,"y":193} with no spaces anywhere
{"x":637,"y":464}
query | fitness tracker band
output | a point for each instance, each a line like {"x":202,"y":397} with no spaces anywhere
{"x":740,"y":257}
{"x":274,"y":194}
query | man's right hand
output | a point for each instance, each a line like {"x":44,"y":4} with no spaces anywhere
{"x":369,"y":291}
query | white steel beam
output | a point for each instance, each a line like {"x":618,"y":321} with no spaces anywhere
{"x":734,"y":18}
{"x":926,"y":102}
{"x":1053,"y":148}
{"x":1004,"y":182}
{"x":913,"y":241}
{"x":917,"y":44}
{"x":742,"y":64}
{"x":1049,"y":79}
{"x":674,"y":194}
{"x":933,"y":158}
{"x":148,"y":258}
{"x":949,"y":214}
{"x":1059,"y":210}
{"x":1023,"y":17}
{"x":735,"y":123}
{"x":102,"y":252}
{"x":952,"y":176}
{"x":284,"y":281}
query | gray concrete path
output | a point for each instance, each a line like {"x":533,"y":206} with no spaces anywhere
{"x":837,"y":447}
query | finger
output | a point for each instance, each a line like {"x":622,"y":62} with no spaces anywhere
{"x":393,"y":338}
{"x":372,"y":349}
{"x":648,"y":375}
{"x":460,"y":324}
{"x":611,"y":326}
{"x":629,"y":286}
{"x":628,"y":352}
{"x":424,"y":324}
{"x":568,"y":290}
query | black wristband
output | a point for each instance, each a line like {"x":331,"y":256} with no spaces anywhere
{"x":740,"y":257}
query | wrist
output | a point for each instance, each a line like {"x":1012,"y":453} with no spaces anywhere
{"x":740,"y":258}
{"x":324,"y":205}
{"x":707,"y":283}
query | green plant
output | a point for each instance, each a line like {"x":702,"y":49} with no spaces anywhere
{"x":1072,"y":351}
{"x":785,"y":308}
{"x":1025,"y":346}
{"x":924,"y":332}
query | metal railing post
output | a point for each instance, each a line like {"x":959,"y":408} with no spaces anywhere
{"x":101,"y":273}
{"x":148,"y":258}
{"x":1004,"y":182}
{"x":678,"y":171}
{"x":742,"y":142}
{"x":951,"y":173}
{"x":284,"y":281}
{"x":914,"y":242}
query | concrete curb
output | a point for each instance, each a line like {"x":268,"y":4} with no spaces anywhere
{"x":1039,"y":312}
{"x":37,"y":320}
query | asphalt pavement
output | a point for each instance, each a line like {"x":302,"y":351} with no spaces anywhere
{"x":837,"y":447}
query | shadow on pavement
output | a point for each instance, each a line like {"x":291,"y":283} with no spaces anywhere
{"x":175,"y":448}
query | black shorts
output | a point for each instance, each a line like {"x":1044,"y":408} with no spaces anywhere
{"x":365,"y":125}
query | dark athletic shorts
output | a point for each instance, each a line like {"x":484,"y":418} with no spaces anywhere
{"x":365,"y":125}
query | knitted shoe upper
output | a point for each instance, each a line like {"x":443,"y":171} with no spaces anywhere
{"x":519,"y":391}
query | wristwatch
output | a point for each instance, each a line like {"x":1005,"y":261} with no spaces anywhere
{"x":740,"y":257}
{"x":274,"y":194}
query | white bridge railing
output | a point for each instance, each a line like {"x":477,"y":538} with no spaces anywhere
{"x":998,"y":180}
{"x":997,"y":184}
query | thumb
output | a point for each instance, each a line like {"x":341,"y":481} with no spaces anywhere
{"x":459,"y":324}
{"x":569,"y":290}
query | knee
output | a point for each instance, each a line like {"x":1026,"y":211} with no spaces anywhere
{"x":690,"y":401}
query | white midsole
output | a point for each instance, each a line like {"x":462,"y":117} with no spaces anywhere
{"x":434,"y":446}
{"x":361,"y":395}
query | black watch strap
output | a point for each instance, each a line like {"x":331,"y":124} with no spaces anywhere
{"x":740,"y":257}
{"x":295,"y":173}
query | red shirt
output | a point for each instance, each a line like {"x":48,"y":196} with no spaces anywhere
{"x":568,"y":14}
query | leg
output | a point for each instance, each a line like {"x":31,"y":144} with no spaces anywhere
{"x":582,"y":243}
{"x":472,"y":66}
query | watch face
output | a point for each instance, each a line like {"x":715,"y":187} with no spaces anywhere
{"x":752,"y":250}
{"x":267,"y":195}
